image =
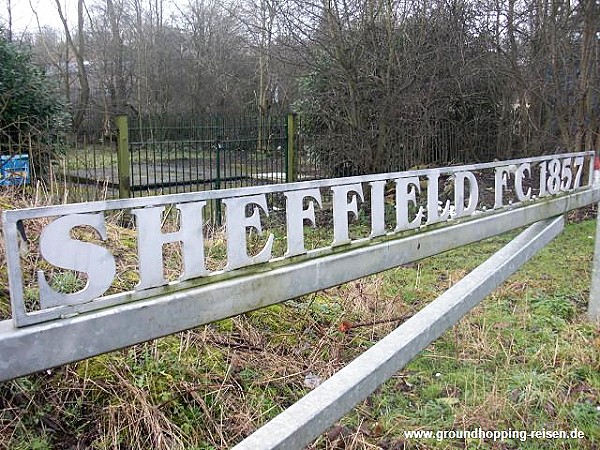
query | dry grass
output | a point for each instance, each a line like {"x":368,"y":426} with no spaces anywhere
{"x":525,"y":358}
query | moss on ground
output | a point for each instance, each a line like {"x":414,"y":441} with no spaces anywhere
{"x":525,"y":359}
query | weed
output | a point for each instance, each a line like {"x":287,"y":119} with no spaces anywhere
{"x":525,"y":359}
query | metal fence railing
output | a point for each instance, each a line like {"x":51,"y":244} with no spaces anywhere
{"x":151,"y":156}
{"x":162,"y":157}
{"x":215,"y":153}
{"x":330,"y":153}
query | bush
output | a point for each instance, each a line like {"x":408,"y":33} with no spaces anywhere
{"x":32,"y":113}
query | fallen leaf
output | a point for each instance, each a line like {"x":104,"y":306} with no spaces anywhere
{"x":345,"y":326}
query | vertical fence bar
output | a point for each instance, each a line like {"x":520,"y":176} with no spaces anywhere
{"x":218,"y":144}
{"x":290,"y":159}
{"x":123,"y":157}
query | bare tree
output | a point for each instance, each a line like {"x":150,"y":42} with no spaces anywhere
{"x":393,"y":84}
{"x":587,"y":116}
{"x":79,"y":53}
{"x":388,"y":83}
{"x":9,"y":21}
{"x":261,"y":23}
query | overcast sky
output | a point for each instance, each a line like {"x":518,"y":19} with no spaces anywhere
{"x":24,"y":19}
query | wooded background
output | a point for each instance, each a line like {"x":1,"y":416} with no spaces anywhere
{"x":373,"y":79}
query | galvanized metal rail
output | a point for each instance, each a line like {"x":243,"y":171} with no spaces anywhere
{"x":68,"y":327}
{"x":305,"y":420}
{"x":50,"y":344}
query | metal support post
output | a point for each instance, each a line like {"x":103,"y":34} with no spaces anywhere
{"x":123,"y":160}
{"x":302,"y":422}
{"x":290,"y":170}
{"x":593,"y":312}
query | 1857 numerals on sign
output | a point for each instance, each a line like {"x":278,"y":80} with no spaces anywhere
{"x":389,"y":203}
{"x":560,"y":175}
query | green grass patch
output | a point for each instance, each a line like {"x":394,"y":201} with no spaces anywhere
{"x":525,"y":359}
